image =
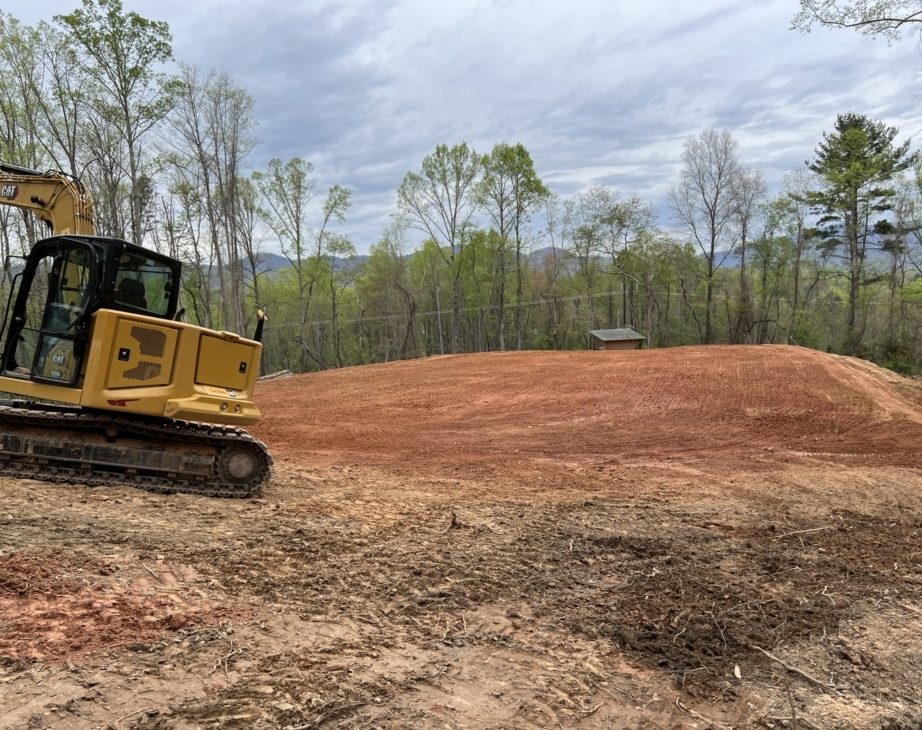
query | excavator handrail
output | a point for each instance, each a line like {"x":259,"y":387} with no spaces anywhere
{"x":58,"y":199}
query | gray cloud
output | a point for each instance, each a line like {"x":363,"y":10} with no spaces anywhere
{"x":600,"y":92}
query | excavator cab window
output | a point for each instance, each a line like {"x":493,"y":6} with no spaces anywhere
{"x":143,"y":284}
{"x":49,"y":341}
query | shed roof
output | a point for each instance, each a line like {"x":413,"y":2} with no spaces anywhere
{"x":619,"y":334}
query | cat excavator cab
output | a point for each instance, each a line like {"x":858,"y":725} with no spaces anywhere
{"x":107,"y":385}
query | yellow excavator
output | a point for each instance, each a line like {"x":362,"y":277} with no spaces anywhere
{"x":105,"y":385}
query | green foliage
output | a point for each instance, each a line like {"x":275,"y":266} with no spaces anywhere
{"x":126,"y":47}
{"x":859,"y":157}
{"x":287,"y":189}
{"x":439,"y":198}
{"x":856,"y":165}
{"x":896,"y":356}
{"x":338,"y":201}
{"x":121,"y":54}
{"x":510,"y":189}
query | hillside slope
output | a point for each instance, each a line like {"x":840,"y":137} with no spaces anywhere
{"x":526,"y":412}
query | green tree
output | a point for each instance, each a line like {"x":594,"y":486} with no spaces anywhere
{"x":510,"y":191}
{"x":478,"y":283}
{"x":856,"y":164}
{"x":427,"y":266}
{"x":20,"y":141}
{"x":440,"y":200}
{"x":649,"y":268}
{"x":385,"y":287}
{"x":210,"y":125}
{"x":41,"y":71}
{"x":584,"y":230}
{"x":121,"y":53}
{"x":626,"y":224}
{"x":790,"y":213}
{"x":287,"y":190}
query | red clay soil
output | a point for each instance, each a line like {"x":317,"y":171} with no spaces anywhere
{"x":721,"y":537}
{"x":54,"y":605}
{"x":505,"y":413}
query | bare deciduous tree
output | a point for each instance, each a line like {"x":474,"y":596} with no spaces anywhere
{"x":704,"y":203}
{"x":750,"y":190}
{"x":210,"y":127}
{"x":888,"y":18}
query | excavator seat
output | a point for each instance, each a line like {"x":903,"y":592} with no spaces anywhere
{"x":131,"y":292}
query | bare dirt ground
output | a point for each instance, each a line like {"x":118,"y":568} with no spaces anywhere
{"x":689,"y":538}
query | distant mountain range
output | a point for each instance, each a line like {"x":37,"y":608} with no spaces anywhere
{"x":271,"y":263}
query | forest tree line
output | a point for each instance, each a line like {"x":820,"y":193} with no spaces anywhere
{"x":831,"y":261}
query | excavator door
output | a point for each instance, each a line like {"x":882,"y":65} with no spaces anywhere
{"x":48,"y":327}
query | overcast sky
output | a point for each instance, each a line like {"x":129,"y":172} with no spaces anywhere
{"x":601,"y":92}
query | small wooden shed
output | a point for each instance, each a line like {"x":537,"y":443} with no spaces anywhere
{"x":619,"y":339}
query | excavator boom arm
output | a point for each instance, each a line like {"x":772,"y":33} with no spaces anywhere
{"x":54,"y":197}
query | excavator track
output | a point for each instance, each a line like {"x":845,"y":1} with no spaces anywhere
{"x":73,"y":446}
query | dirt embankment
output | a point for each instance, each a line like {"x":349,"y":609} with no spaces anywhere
{"x":700,"y":537}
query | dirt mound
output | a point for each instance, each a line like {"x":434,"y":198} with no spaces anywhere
{"x":530,"y":412}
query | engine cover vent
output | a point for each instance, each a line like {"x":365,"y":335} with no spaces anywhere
{"x":143,"y":371}
{"x":151,"y":342}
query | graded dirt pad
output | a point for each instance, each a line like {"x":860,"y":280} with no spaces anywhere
{"x":699,"y":537}
{"x":540,"y":413}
